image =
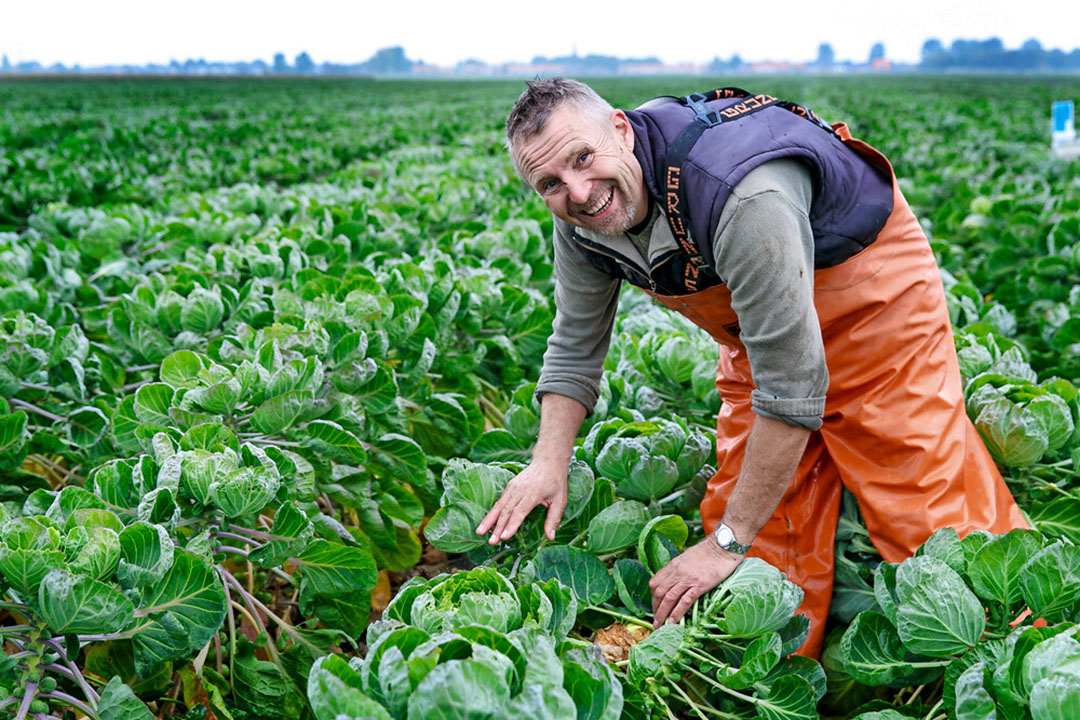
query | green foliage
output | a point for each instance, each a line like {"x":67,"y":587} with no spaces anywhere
{"x":935,"y":623}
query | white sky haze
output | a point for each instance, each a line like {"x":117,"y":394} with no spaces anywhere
{"x":141,"y":31}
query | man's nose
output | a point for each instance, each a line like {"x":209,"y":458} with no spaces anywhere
{"x":578,"y":190}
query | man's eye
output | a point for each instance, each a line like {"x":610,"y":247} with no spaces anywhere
{"x":550,"y":185}
{"x":583,"y":158}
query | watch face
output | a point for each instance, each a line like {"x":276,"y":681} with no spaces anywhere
{"x":724,"y":536}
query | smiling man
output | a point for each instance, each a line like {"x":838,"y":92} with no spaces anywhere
{"x":790,"y":243}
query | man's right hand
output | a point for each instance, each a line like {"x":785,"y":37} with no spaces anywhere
{"x":544,"y":481}
{"x":541,"y":483}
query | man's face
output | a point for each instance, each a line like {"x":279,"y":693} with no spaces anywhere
{"x":585,"y":170}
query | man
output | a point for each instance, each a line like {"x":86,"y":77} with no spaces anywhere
{"x":791,"y":244}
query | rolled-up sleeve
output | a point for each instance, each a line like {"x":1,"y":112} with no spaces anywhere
{"x":764,"y":249}
{"x":586,"y":300}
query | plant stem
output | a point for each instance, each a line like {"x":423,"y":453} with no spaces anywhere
{"x":937,"y":706}
{"x":495,"y":557}
{"x":77,"y":675}
{"x":284,"y":576}
{"x":28,"y":697}
{"x":914,"y":695}
{"x":253,"y":616}
{"x":232,"y":629}
{"x":14,"y":628}
{"x":667,"y":708}
{"x":704,"y":658}
{"x":83,"y":639}
{"x":259,"y":534}
{"x":250,"y":601}
{"x":250,"y":618}
{"x":625,"y":618}
{"x":217,"y":652}
{"x":719,"y":686}
{"x":514,"y":569}
{"x":35,"y":409}
{"x":73,"y":702}
{"x":78,"y":679}
{"x":65,"y":473}
{"x":686,"y":699}
{"x":234,"y":550}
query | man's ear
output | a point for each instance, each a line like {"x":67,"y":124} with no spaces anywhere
{"x":623,"y":130}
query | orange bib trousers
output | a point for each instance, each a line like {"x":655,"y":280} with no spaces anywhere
{"x":895,"y":430}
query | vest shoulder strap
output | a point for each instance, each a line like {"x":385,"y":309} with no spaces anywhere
{"x":675,"y":202}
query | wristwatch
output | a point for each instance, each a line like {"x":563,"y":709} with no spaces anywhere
{"x":725,"y":538}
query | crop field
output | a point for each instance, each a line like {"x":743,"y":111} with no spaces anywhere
{"x":267,"y":356}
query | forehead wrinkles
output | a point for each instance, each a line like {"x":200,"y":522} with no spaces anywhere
{"x":551,"y":148}
{"x":543,"y":155}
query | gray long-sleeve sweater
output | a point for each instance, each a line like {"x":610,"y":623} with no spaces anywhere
{"x":764,"y":251}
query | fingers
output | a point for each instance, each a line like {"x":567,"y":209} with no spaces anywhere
{"x":511,"y":520}
{"x":684,"y":604}
{"x":506,"y":515}
{"x":670,"y":600}
{"x":492,"y":515}
{"x":554,"y":515}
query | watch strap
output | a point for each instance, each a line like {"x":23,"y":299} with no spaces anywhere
{"x":733,"y":545}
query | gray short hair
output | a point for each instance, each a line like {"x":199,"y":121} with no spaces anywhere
{"x":541,"y":97}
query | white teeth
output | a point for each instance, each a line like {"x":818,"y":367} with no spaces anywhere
{"x":600,"y":204}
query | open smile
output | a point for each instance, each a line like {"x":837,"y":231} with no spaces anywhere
{"x":601,"y":206}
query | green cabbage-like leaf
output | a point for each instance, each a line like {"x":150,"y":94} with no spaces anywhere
{"x":937,"y":614}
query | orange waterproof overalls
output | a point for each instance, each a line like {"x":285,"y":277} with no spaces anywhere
{"x":895,"y":429}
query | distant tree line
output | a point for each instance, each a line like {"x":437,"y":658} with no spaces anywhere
{"x":961,"y":55}
{"x":992,"y":55}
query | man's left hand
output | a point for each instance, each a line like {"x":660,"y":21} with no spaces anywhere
{"x":689,"y":576}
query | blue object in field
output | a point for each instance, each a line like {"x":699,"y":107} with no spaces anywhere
{"x":1063,"y":116}
{"x":1063,"y":128}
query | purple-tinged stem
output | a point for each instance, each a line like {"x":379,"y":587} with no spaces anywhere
{"x":234,"y":536}
{"x":23,"y":405}
{"x":74,"y":671}
{"x":72,"y":701}
{"x":233,"y":550}
{"x":253,"y":533}
{"x":28,"y":697}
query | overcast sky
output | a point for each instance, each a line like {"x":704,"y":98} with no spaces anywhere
{"x":442,"y":33}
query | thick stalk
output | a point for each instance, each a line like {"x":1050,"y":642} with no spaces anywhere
{"x":28,"y":697}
